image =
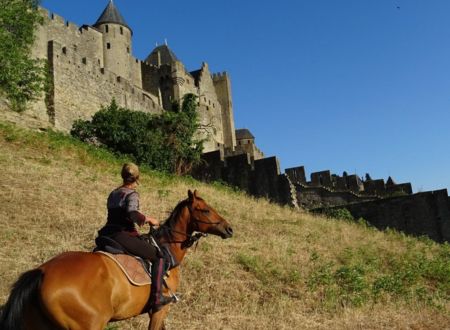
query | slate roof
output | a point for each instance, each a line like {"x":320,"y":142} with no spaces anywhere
{"x":390,"y":182}
{"x":167,"y":55}
{"x":111,"y":15}
{"x":243,"y":133}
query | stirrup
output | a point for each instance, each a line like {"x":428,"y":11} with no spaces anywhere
{"x":163,"y":301}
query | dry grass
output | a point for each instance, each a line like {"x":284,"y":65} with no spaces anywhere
{"x":282,"y":270}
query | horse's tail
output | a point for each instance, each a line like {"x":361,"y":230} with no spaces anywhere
{"x":23,"y":291}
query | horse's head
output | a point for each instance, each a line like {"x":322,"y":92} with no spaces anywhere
{"x":205,"y":219}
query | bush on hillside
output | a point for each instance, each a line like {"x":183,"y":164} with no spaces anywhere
{"x":339,"y":213}
{"x":165,"y":142}
{"x":22,"y":78}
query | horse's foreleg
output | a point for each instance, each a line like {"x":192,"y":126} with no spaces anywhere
{"x":157,"y":319}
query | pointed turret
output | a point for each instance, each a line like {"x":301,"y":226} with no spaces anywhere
{"x":111,"y":15}
{"x":161,"y":55}
{"x":390,"y":182}
{"x":116,"y":41}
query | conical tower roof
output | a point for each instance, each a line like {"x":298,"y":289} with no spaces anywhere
{"x":166,"y":54}
{"x":111,"y":15}
{"x":390,"y":182}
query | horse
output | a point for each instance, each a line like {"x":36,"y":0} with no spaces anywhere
{"x":86,"y":290}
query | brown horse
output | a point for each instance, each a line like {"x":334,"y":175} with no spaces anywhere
{"x":83,"y":290}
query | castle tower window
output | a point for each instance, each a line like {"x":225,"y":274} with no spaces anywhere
{"x":121,"y":30}
{"x":106,"y":28}
{"x":108,"y":45}
{"x":128,"y":50}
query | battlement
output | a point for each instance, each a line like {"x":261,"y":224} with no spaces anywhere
{"x":82,"y":86}
{"x":67,"y":55}
{"x":260,"y":178}
{"x":220,"y":76}
{"x":59,"y":21}
{"x":351,"y":183}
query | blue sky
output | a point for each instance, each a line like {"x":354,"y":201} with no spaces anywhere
{"x":345,"y":85}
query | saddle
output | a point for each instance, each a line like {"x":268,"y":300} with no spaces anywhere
{"x":136,"y":269}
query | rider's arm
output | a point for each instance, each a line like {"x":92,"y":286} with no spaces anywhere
{"x":132,"y":208}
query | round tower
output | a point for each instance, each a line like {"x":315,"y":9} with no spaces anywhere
{"x":116,"y":41}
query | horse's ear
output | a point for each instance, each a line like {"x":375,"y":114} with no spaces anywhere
{"x":195,"y":193}
{"x":190,"y":195}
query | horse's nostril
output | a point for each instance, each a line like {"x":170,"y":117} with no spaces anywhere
{"x":230,"y":230}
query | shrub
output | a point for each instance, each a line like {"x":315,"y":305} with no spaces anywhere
{"x":341,"y":214}
{"x":22,"y":78}
{"x":164,"y":142}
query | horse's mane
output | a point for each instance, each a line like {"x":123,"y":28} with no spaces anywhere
{"x":170,"y":221}
{"x":168,"y":224}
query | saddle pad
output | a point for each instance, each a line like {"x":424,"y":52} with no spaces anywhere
{"x":132,"y":268}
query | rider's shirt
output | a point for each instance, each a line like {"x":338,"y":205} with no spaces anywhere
{"x":123,"y":212}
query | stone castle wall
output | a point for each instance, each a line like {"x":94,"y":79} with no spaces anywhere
{"x":81,"y":87}
{"x":259,"y":178}
{"x":210,"y":109}
{"x":416,"y":214}
{"x":81,"y":84}
{"x":314,"y":197}
{"x":172,"y":81}
{"x":222,"y":86}
{"x":421,"y":214}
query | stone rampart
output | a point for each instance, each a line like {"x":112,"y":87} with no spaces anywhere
{"x":313,"y":197}
{"x":297,"y":174}
{"x":222,"y":86}
{"x":426,"y":213}
{"x":260,"y":178}
{"x":86,"y":41}
{"x":82,"y":86}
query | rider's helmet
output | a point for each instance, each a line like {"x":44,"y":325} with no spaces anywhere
{"x":130,"y":173}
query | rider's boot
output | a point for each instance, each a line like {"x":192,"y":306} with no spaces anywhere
{"x":157,"y":299}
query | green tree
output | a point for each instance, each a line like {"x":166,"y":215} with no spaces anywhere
{"x":181,"y":129}
{"x":22,"y":78}
{"x":165,"y":142}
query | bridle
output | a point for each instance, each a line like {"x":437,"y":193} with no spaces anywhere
{"x":195,"y":236}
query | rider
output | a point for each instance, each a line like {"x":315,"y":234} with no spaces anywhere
{"x":123,"y":214}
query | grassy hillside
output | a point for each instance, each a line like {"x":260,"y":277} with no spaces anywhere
{"x":282,"y":270}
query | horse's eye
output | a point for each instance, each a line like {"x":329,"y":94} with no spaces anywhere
{"x":205,"y":211}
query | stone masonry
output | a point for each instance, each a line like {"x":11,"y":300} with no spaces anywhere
{"x":384,"y":205}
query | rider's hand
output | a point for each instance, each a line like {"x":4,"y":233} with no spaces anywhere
{"x":152,"y":221}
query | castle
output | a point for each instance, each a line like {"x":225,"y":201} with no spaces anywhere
{"x":92,"y":64}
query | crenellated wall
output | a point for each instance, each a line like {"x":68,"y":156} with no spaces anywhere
{"x":81,"y":87}
{"x":421,"y":214}
{"x":259,"y":178}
